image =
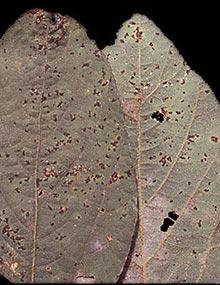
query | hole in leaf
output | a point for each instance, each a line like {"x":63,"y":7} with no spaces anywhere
{"x":166,"y":223}
{"x":173,"y":215}
{"x":158,"y":116}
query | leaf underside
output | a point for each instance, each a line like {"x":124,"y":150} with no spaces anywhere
{"x":172,"y":118}
{"x":67,"y":183}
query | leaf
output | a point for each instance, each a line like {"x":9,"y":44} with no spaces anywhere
{"x":68,"y":195}
{"x":172,"y":118}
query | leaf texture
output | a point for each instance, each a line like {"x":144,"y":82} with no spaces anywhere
{"x":172,"y":118}
{"x":67,"y":183}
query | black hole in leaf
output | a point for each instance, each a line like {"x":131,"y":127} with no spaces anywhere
{"x":166,"y":223}
{"x":173,"y":215}
{"x":158,"y":116}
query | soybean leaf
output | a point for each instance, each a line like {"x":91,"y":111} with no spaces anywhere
{"x":67,"y":184}
{"x":172,"y":118}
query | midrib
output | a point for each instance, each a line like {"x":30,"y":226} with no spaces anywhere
{"x":37,"y":159}
{"x":138,"y":170}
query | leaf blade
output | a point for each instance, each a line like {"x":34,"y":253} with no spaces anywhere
{"x":61,"y":134}
{"x":167,"y":119}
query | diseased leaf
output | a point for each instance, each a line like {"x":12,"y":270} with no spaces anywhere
{"x":172,"y":118}
{"x":67,"y":184}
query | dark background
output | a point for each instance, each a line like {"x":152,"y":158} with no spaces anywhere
{"x":193,"y":29}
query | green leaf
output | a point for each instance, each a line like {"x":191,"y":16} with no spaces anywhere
{"x":172,"y":118}
{"x":67,"y":183}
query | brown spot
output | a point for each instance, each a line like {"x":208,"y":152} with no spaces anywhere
{"x":138,"y":35}
{"x":62,"y":210}
{"x":46,"y":67}
{"x":102,"y":210}
{"x":114,"y":177}
{"x":14,"y":266}
{"x":109,"y":238}
{"x":164,"y":160}
{"x":131,"y":108}
{"x":49,"y":172}
{"x":214,"y":139}
{"x":40,"y":192}
{"x":192,"y":138}
{"x":85,"y":279}
{"x":151,"y":45}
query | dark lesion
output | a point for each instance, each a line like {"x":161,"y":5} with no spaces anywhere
{"x":55,"y":18}
{"x":51,"y":26}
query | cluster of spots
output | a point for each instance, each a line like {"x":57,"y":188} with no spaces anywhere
{"x":165,"y":159}
{"x":169,"y":221}
{"x":13,"y":235}
{"x":60,"y":236}
{"x":77,"y":170}
{"x":192,"y":138}
{"x":96,"y":178}
{"x":54,"y":71}
{"x":117,"y":176}
{"x":114,"y":144}
{"x":67,"y":139}
{"x":137,"y":34}
{"x":52,"y":27}
{"x":49,"y":171}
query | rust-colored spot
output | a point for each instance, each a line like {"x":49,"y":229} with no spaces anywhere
{"x":114,"y":177}
{"x":49,"y":172}
{"x":138,"y":35}
{"x":14,"y":266}
{"x":62,"y":210}
{"x":131,"y":108}
{"x":109,"y":237}
{"x":151,"y":45}
{"x":214,"y":139}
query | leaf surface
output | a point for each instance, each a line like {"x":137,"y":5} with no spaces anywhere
{"x":67,"y":183}
{"x":172,"y":118}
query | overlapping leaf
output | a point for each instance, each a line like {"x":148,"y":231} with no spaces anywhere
{"x":172,"y":118}
{"x":67,"y":185}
